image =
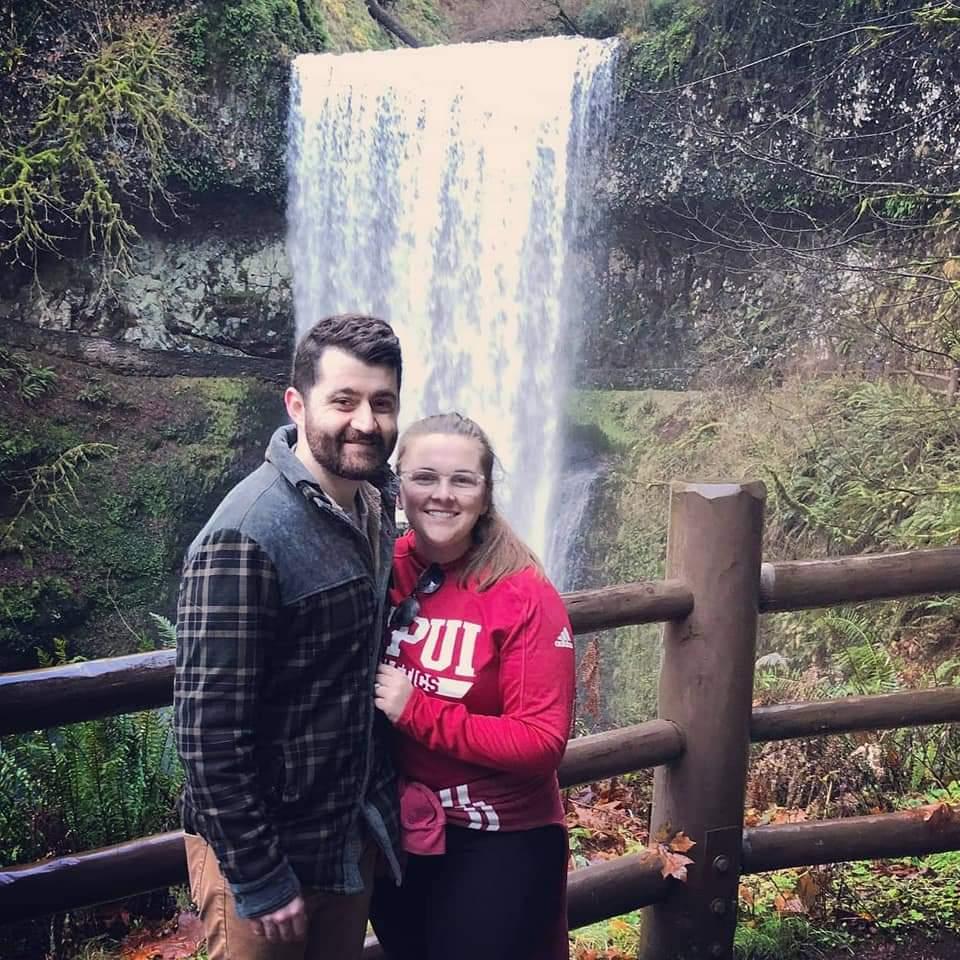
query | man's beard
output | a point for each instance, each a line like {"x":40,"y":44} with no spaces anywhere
{"x":359,"y":462}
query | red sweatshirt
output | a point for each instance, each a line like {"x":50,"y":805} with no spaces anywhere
{"x":493,"y":677}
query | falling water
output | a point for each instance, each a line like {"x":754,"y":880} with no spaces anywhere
{"x":443,"y":188}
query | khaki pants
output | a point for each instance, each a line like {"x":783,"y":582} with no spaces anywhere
{"x":335,"y":923}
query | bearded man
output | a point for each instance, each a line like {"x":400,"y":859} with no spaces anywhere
{"x":290,"y":796}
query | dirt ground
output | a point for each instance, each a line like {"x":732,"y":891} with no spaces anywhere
{"x":915,"y":947}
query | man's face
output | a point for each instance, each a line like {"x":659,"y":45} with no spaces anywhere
{"x":348,"y":419}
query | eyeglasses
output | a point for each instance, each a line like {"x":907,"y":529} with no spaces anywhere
{"x":462,"y":481}
{"x":430,"y":581}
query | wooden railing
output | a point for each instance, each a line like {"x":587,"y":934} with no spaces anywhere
{"x":715,"y":588}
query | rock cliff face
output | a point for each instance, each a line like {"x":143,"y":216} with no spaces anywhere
{"x":766,"y":214}
{"x":220,"y":284}
{"x":208,"y":272}
{"x":759,"y":214}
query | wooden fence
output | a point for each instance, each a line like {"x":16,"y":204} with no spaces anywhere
{"x":716,"y":585}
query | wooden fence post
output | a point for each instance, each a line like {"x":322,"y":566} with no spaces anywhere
{"x":706,"y":688}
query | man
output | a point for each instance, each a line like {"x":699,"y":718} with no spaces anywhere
{"x":289,"y":792}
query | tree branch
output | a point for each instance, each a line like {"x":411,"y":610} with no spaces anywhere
{"x":391,"y":24}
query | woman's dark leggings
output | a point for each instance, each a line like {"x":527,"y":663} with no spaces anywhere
{"x":491,"y":896}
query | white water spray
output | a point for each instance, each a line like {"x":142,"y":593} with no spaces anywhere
{"x":442,"y":189}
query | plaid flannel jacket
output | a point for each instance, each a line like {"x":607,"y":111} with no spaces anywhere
{"x":279,"y":632}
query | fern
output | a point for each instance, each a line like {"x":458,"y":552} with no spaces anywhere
{"x":865,"y":665}
{"x":166,"y":628}
{"x":87,"y":785}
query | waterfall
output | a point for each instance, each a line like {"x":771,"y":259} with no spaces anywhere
{"x":574,"y":490}
{"x":443,"y":189}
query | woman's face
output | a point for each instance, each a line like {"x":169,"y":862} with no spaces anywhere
{"x":443,"y":493}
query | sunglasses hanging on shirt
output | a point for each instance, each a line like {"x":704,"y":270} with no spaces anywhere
{"x":430,"y":581}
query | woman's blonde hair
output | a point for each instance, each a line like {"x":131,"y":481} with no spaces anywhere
{"x":497,"y":551}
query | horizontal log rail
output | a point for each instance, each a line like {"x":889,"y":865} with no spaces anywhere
{"x":595,"y":892}
{"x":645,"y":601}
{"x":53,"y":696}
{"x":113,"y":873}
{"x":910,"y":833}
{"x":95,"y":876}
{"x":802,"y":584}
{"x":110,"y":873}
{"x":620,"y":751}
{"x":40,"y":699}
{"x":787,"y":721}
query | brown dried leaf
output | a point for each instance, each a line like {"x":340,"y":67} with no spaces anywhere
{"x":788,"y":903}
{"x":177,"y":944}
{"x":788,"y":816}
{"x":589,"y":672}
{"x":808,"y":890}
{"x":681,"y":843}
{"x":939,"y":815}
{"x":673,"y":864}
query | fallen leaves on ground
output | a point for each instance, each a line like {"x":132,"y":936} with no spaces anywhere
{"x":178,"y":940}
{"x":611,"y":953}
{"x":608,"y":816}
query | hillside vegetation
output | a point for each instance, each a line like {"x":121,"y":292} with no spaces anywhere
{"x":851,"y":466}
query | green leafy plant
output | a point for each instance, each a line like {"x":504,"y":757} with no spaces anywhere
{"x":87,"y":785}
{"x":102,"y":129}
{"x":50,"y":493}
{"x":166,"y":628}
{"x":31,"y":380}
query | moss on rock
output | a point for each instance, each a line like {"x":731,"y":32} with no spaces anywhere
{"x":89,"y":559}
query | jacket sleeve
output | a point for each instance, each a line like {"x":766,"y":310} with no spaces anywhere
{"x":226,"y":617}
{"x":536,"y":676}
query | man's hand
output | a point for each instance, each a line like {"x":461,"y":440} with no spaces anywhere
{"x":285,"y":925}
{"x":391,"y":691}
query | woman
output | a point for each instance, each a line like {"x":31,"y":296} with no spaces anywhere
{"x":478,"y":681}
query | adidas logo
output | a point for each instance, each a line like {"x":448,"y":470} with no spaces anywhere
{"x":564,"y":640}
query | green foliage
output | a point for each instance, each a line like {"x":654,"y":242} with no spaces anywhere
{"x":102,"y":130}
{"x":49,"y":499}
{"x":606,"y":18}
{"x":166,"y":628}
{"x":933,"y":16}
{"x":424,"y":19}
{"x":923,"y":895}
{"x":30,"y":381}
{"x":865,"y":663}
{"x":767,"y":935}
{"x":59,"y":656}
{"x":34,"y":612}
{"x":94,"y":533}
{"x":662,"y":44}
{"x":880,"y":471}
{"x":87,"y":785}
{"x":250,"y":34}
{"x":95,"y":394}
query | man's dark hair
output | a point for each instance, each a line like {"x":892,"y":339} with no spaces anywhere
{"x":369,"y":339}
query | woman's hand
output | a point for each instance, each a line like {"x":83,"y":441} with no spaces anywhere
{"x":391,"y":691}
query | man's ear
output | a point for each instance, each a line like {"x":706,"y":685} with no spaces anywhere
{"x":293,"y":401}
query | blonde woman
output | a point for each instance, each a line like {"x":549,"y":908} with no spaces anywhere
{"x":478,"y":681}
